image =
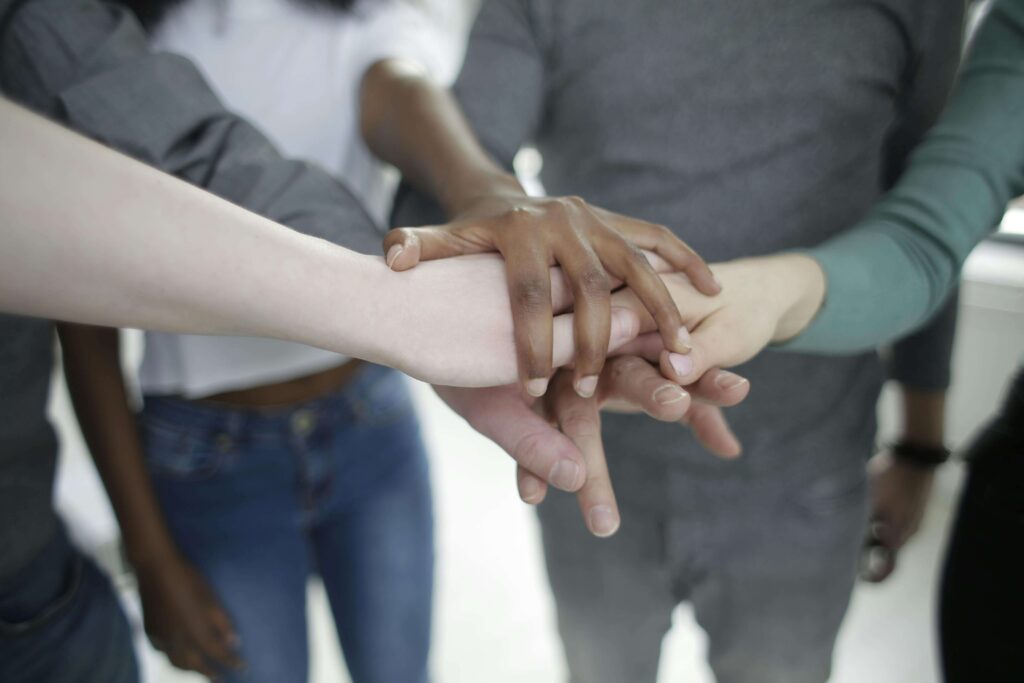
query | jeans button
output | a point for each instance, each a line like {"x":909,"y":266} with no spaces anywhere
{"x":303,"y":422}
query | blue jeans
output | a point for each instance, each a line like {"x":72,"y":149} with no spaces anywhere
{"x":260,"y":499}
{"x":60,"y":622}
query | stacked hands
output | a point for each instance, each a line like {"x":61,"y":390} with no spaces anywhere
{"x":607,"y":312}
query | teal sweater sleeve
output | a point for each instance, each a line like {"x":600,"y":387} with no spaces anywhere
{"x":892,"y":270}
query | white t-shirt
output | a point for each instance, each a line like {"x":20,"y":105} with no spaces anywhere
{"x":293,"y":69}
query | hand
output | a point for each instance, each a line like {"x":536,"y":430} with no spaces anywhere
{"x":590,"y":245}
{"x":629,"y":381}
{"x":764,"y":300}
{"x":450,"y":322}
{"x":184,"y":620}
{"x":899,"y":496}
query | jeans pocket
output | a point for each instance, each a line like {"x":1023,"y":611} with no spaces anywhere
{"x":182,"y":453}
{"x":52,"y":609}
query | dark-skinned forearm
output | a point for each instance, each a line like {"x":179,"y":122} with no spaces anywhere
{"x":92,"y":368}
{"x":924,"y":416}
{"x":417,"y":126}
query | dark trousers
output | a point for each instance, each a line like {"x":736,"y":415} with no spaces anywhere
{"x":982,"y":600}
{"x":60,"y":622}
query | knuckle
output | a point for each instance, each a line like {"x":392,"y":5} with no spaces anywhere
{"x":580,"y":425}
{"x":625,"y":367}
{"x":663,"y":233}
{"x":636,"y":260}
{"x":575,"y":201}
{"x":532,"y":294}
{"x":529,"y":450}
{"x":593,"y":282}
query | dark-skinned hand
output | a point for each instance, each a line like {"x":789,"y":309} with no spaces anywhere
{"x":596,"y":249}
{"x":185,"y":621}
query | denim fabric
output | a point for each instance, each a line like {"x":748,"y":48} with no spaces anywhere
{"x":60,"y":622}
{"x":260,"y":499}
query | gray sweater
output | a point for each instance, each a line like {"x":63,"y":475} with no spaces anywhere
{"x":747,"y":127}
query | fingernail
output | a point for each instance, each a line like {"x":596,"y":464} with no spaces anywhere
{"x":529,"y":488}
{"x":537,"y":387}
{"x":683,"y":365}
{"x":603,"y":522}
{"x":728,"y":380}
{"x":717,"y":281}
{"x":565,"y":475}
{"x":684,"y":340}
{"x":586,"y":386}
{"x":393,"y":253}
{"x":669,"y":394}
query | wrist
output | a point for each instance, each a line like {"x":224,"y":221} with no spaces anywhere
{"x":800,"y":293}
{"x":151,"y":555}
{"x":371,"y":321}
{"x":922,"y":456}
{"x":473,"y":185}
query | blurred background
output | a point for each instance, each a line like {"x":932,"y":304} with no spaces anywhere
{"x":494,"y":617}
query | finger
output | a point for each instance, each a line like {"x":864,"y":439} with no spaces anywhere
{"x":624,"y":327}
{"x":720,"y":388}
{"x":710,"y":427}
{"x":630,"y":265}
{"x":579,"y":419}
{"x":647,"y":346}
{"x":592,"y":313}
{"x":664,"y":243}
{"x":221,"y":623}
{"x":878,"y":561}
{"x":634,"y":380}
{"x":190,"y":659}
{"x":715,"y":343}
{"x":532,"y":489}
{"x":406,"y":247}
{"x":216,"y":645}
{"x":529,"y":288}
{"x":501,"y":415}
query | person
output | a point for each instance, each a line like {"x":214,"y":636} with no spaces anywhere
{"x":272,"y":462}
{"x":749,"y":130}
{"x":65,"y":61}
{"x":885,"y":276}
{"x":52,"y":598}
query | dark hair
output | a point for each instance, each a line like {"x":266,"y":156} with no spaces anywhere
{"x":150,"y":12}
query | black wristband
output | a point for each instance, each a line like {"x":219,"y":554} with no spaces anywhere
{"x":918,"y":455}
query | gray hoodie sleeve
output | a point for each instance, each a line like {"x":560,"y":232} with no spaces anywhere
{"x":88,"y":65}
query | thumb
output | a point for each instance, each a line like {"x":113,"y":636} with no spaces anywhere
{"x":715,"y":343}
{"x":405,"y":247}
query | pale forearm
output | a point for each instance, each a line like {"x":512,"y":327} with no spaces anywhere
{"x":91,"y":236}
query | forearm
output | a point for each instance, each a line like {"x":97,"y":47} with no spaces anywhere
{"x":924,"y":417}
{"x":91,"y":236}
{"x":890,"y":272}
{"x":92,"y":369}
{"x":418,"y":127}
